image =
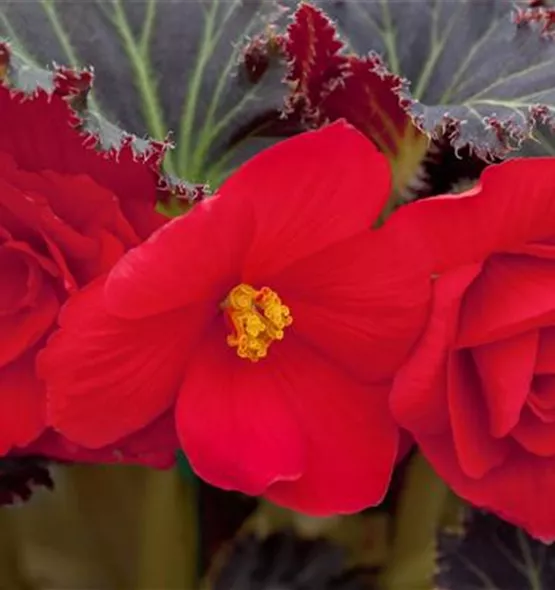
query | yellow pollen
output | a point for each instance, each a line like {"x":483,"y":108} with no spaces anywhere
{"x":257,"y":318}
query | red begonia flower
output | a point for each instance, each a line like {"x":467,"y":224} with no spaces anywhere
{"x":271,"y":316}
{"x":67,"y":213}
{"x":477,"y":392}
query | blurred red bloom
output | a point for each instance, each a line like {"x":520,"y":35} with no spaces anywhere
{"x":67,"y":214}
{"x":478,"y":392}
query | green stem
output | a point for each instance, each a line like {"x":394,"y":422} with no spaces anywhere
{"x":96,"y":499}
{"x":168,"y":551}
{"x":12,"y":571}
{"x":411,"y":562}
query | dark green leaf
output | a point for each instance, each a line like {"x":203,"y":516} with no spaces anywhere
{"x":70,"y":89}
{"x":161,"y":66}
{"x":467,"y":62}
{"x":221,"y":515}
{"x":20,"y":476}
{"x":494,"y":555}
{"x":286,"y":562}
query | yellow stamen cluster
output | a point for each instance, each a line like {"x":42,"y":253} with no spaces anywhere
{"x":257,"y":319}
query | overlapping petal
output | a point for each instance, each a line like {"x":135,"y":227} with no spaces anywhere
{"x":22,"y":403}
{"x":545,"y":359}
{"x":514,"y":294}
{"x":506,"y":369}
{"x":193,"y":258}
{"x":332,"y":184}
{"x":495,"y":449}
{"x":23,"y":329}
{"x":362,"y":303}
{"x":153,"y":446}
{"x":292,"y":427}
{"x":351,"y":440}
{"x":418,"y":397}
{"x":515,"y":491}
{"x":109,"y":377}
{"x":133,"y":181}
{"x":236,"y":419}
{"x":534,"y":435}
{"x":477,"y":450}
{"x":287,"y":203}
{"x":513,"y":204}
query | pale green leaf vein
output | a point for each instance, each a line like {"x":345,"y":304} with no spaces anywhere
{"x":190,"y":102}
{"x":145,"y":79}
{"x":148,"y":25}
{"x":389,"y":39}
{"x":476,"y":47}
{"x":510,"y":78}
{"x":16,"y":41}
{"x":65,"y":43}
{"x":363,"y":13}
{"x":436,"y":50}
{"x":531,"y":570}
{"x":210,"y":131}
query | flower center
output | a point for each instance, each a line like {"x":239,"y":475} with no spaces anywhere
{"x":257,"y":318}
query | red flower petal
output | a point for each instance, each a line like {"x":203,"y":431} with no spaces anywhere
{"x":309,"y":192}
{"x":133,"y":181}
{"x":534,"y":435}
{"x":97,"y":364}
{"x":478,"y":452}
{"x":98,"y":206}
{"x":513,"y":294}
{"x":513,"y":205}
{"x":362,"y":303}
{"x":23,"y":329}
{"x":22,"y":403}
{"x":54,"y":200}
{"x":506,"y":369}
{"x":43,"y":261}
{"x":539,"y":409}
{"x":287,"y":203}
{"x":20,"y":280}
{"x":419,"y":398}
{"x":351,"y":439}
{"x":323,"y":443}
{"x":236,"y":419}
{"x":543,"y":392}
{"x":519,"y":491}
{"x":193,"y":258}
{"x":60,"y":267}
{"x":154,"y":446}
{"x":541,"y":250}
{"x":545,"y":360}
{"x":110,"y":252}
{"x":31,"y":212}
{"x":42,"y":209}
